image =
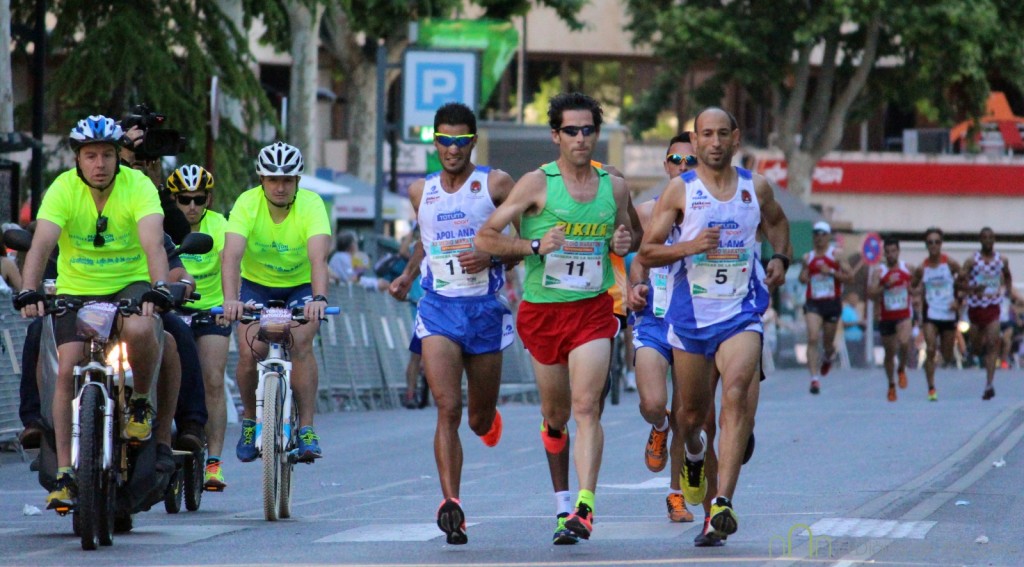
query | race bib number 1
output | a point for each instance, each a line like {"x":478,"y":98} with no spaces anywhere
{"x":577,"y":266}
{"x":448,"y":272}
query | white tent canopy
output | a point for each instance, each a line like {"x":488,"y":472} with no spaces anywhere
{"x":351,"y":198}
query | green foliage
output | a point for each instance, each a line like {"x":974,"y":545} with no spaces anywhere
{"x":939,"y":55}
{"x":163,"y":53}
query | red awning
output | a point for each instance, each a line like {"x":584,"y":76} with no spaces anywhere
{"x":1011,"y":135}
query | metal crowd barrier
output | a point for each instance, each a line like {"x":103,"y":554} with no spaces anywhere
{"x":12,"y":339}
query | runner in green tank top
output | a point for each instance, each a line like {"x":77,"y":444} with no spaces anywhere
{"x":568,"y":212}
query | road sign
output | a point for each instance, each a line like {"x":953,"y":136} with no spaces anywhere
{"x":431,"y":78}
{"x":871,"y":248}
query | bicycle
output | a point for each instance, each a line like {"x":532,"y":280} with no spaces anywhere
{"x":105,"y":464}
{"x":274,"y":405}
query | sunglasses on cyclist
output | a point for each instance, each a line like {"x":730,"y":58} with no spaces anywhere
{"x":571,"y":131}
{"x":678,"y":159}
{"x":186,"y":200}
{"x":101,"y":226}
{"x":460,"y":141}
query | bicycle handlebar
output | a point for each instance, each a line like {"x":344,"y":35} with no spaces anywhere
{"x":254,"y":310}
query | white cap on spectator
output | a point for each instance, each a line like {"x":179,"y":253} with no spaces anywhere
{"x":822,"y":227}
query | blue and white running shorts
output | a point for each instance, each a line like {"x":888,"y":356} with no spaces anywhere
{"x":478,"y":324}
{"x":652,"y":332}
{"x":707,"y":340}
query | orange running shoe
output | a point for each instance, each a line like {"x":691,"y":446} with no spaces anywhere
{"x":677,"y":511}
{"x":656,"y":452}
{"x":581,"y":522}
{"x":903,"y":379}
{"x":492,"y":437}
{"x":554,"y":441}
{"x":892,"y":392}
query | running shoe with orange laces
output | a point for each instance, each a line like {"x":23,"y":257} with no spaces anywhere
{"x":677,"y":511}
{"x":903,"y":379}
{"x":554,"y":441}
{"x":656,"y":452}
{"x":892,"y":392}
{"x":452,"y":521}
{"x":213,"y":477}
{"x":492,"y":436}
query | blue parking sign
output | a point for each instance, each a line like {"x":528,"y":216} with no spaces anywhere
{"x":431,"y":78}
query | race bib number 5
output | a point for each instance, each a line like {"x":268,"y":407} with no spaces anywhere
{"x":723,"y":274}
{"x":577,"y":266}
{"x":448,"y":272}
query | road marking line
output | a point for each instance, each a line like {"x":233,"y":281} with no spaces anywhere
{"x":387,"y":532}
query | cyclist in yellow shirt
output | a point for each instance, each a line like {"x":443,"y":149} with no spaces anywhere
{"x":109,"y":226}
{"x":192,"y":187}
{"x":275,"y":248}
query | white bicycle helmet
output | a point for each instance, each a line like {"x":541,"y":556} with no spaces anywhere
{"x":188,"y":178}
{"x":279,"y":159}
{"x":95,"y":129}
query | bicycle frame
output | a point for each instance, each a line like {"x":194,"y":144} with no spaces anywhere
{"x":277,"y":362}
{"x":106,"y":386}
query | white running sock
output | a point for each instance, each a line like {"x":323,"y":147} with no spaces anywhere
{"x":563,"y":502}
{"x":663,"y":426}
{"x":698,"y":456}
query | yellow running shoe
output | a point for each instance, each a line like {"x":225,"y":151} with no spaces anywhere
{"x":723,"y":519}
{"x":138,"y":420}
{"x":63,"y":498}
{"x":692,"y":478}
{"x":213,"y":477}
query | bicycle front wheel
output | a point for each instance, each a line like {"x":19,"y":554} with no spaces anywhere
{"x":92,"y":505}
{"x":287,"y":467}
{"x":272,"y":444}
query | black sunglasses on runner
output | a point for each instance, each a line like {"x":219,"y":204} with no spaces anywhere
{"x":101,"y":226}
{"x":691,"y":160}
{"x":186,"y":199}
{"x":573,"y":130}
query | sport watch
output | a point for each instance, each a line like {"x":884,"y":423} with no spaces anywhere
{"x":535,"y":245}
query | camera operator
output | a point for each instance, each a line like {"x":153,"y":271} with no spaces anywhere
{"x":146,"y":143}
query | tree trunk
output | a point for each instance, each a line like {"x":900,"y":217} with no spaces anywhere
{"x":302,"y":132}
{"x":361,"y":120}
{"x":799,"y":172}
{"x":6,"y":86}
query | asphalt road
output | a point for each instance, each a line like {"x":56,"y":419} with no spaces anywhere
{"x":906,"y":483}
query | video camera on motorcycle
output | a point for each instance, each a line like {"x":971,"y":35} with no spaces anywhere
{"x":157,"y":142}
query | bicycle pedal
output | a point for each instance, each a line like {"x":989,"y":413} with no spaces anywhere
{"x":62,"y":511}
{"x":214,"y":488}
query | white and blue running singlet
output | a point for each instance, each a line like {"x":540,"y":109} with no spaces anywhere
{"x":661,"y":282}
{"x":723,"y":284}
{"x":448,"y":223}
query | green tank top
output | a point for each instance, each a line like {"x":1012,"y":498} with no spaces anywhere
{"x":580,"y":269}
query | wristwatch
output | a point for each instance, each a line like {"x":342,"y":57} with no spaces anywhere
{"x":535,"y":245}
{"x":319,"y":298}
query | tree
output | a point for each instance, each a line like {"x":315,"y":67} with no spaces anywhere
{"x":351,"y":31}
{"x":819,"y":65}
{"x":163,"y":53}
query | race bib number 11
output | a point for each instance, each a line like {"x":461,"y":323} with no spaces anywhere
{"x":577,"y":266}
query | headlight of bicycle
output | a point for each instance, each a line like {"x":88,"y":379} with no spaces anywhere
{"x":114,"y":357}
{"x":275,"y":325}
